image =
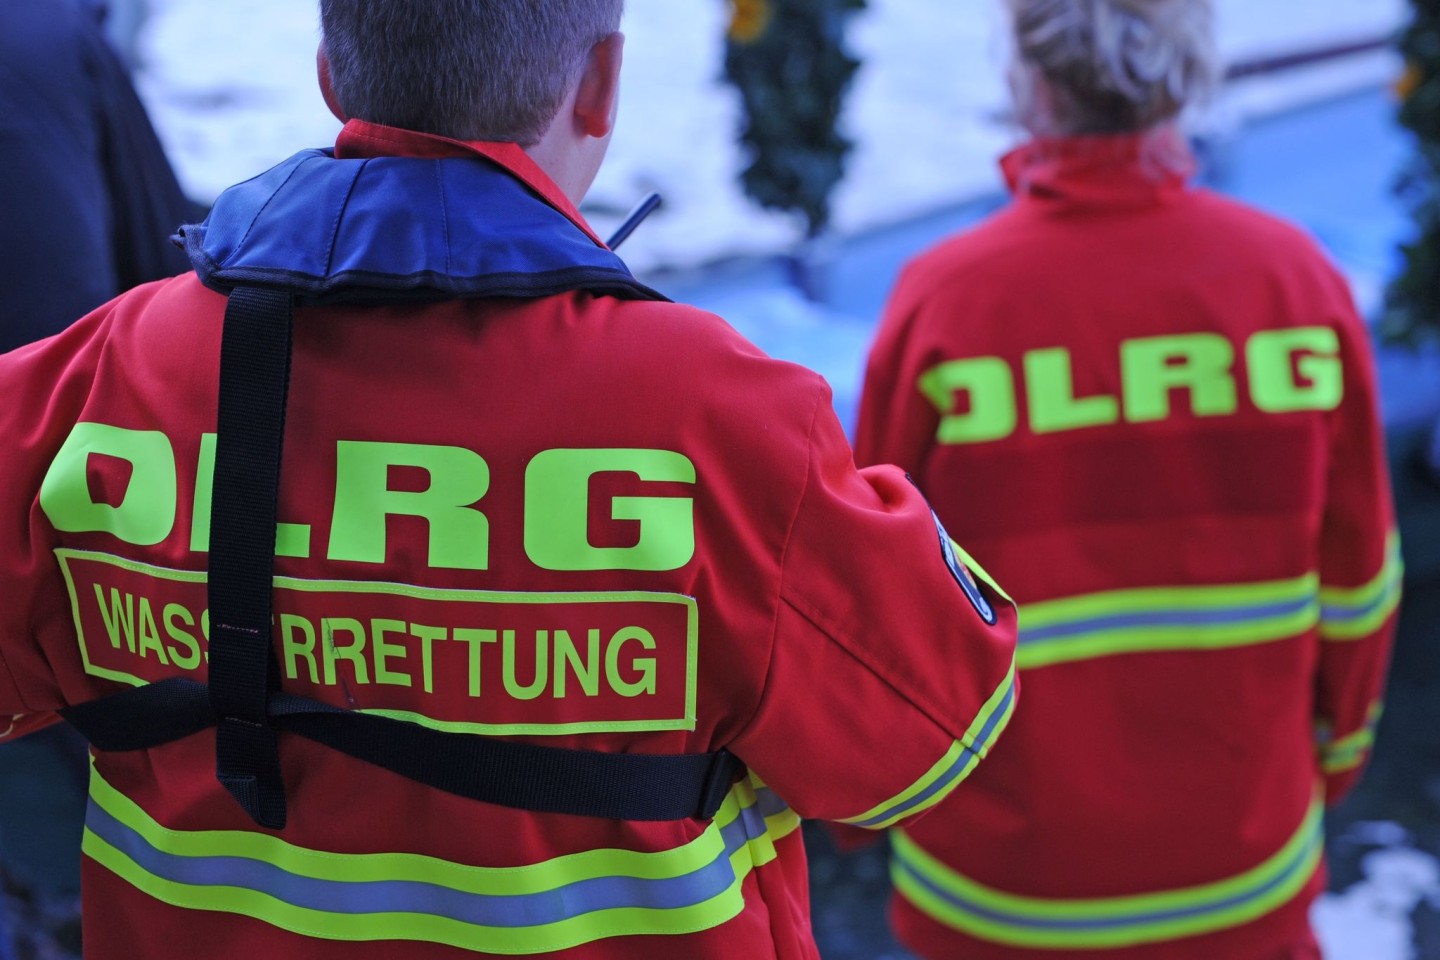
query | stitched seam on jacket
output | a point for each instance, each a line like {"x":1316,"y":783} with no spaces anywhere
{"x":778,"y":597}
{"x":339,"y":215}
{"x":261,"y":212}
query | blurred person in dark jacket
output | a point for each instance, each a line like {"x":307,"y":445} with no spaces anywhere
{"x":87,"y":196}
{"x":87,"y":205}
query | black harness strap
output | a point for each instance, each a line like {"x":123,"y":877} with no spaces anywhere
{"x":254,"y":384}
{"x":243,"y":700}
{"x":627,"y":786}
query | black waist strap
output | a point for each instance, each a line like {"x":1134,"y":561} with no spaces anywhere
{"x":623,"y":786}
{"x":243,"y":700}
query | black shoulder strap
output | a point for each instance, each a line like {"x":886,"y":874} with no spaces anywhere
{"x":255,"y":350}
{"x":243,"y":698}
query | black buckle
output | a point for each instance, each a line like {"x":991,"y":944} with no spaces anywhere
{"x":718,"y":781}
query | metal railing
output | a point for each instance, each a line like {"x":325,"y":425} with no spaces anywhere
{"x":1263,"y":66}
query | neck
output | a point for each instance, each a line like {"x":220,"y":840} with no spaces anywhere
{"x":564,"y":164}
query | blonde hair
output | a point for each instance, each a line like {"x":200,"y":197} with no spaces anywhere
{"x":1110,"y":66}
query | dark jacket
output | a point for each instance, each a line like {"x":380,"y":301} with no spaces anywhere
{"x":87,"y":196}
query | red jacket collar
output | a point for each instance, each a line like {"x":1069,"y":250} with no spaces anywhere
{"x":361,"y":139}
{"x":1124,"y":170}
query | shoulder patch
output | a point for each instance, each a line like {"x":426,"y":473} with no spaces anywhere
{"x":962,"y":575}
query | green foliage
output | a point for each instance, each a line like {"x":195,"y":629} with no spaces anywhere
{"x":788,"y":59}
{"x":1413,"y":305}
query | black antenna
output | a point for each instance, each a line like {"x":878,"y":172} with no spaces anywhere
{"x":642,"y":210}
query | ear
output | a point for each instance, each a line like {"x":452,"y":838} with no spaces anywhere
{"x":327,"y":89}
{"x":598,"y":96}
{"x":1033,"y":98}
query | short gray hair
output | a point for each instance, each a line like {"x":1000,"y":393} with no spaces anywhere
{"x":1112,"y":66}
{"x":466,"y":69}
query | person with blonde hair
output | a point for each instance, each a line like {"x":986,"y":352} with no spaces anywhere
{"x":1151,"y":412}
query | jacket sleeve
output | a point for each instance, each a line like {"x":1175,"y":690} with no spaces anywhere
{"x":896,"y":423}
{"x":14,"y":721}
{"x":892,"y":666}
{"x":43,"y":388}
{"x":1360,"y":574}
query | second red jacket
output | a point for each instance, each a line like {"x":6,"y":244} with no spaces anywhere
{"x":1151,"y":413}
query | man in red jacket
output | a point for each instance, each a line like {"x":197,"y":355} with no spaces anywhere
{"x":1165,"y":404}
{"x":549,"y":552}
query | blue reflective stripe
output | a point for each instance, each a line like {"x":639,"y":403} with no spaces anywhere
{"x":1297,"y":863}
{"x":1336,"y":614}
{"x":360,"y":897}
{"x":390,"y":896}
{"x":962,"y":762}
{"x":540,"y":907}
{"x":1165,"y":618}
{"x":768,"y":802}
{"x":949,"y":897}
{"x":1350,"y":613}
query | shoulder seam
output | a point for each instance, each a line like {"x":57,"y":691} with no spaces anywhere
{"x":779,"y":595}
{"x":862,"y":656}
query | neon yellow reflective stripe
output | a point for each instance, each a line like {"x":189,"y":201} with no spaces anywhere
{"x":979,"y":571}
{"x":1166,"y":618}
{"x":989,"y":914}
{"x":531,"y":729}
{"x":885,"y":814}
{"x":1349,"y":752}
{"x":1353,"y":613}
{"x":951,"y":769}
{"x":553,"y":905}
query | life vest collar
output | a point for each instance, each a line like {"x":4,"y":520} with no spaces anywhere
{"x":361,"y":140}
{"x":443,"y":220}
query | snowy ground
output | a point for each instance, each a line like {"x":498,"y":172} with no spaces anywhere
{"x":1372,"y":919}
{"x":231,"y":88}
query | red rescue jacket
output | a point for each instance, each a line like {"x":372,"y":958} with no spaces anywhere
{"x":575,"y":519}
{"x":1151,"y":413}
